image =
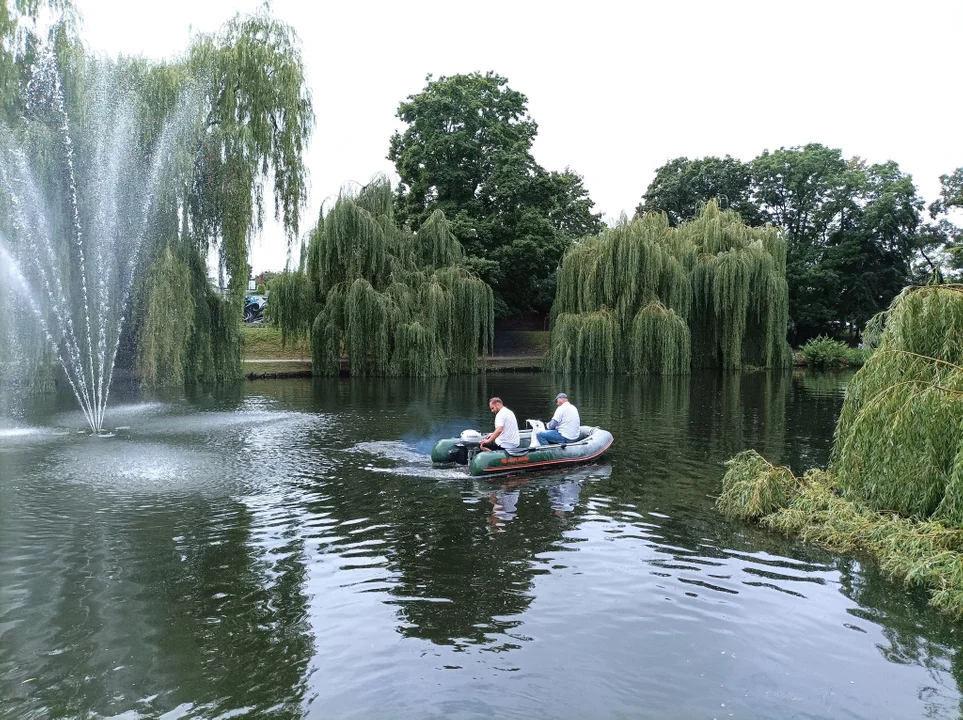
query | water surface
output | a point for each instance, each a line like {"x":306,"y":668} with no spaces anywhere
{"x":285,"y":549}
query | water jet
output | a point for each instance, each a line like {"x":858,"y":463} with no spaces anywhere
{"x":75,"y":218}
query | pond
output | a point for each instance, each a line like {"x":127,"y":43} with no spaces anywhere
{"x":285,"y":549}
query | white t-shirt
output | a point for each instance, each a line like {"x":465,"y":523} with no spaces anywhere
{"x":566,"y":415}
{"x":505,"y":419}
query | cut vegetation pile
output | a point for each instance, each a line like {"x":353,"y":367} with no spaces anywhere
{"x":894,"y":486}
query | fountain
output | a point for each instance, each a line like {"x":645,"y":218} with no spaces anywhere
{"x":75,"y":209}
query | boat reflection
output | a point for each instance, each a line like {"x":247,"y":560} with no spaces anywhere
{"x":561,"y":489}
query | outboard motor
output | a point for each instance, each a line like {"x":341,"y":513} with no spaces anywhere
{"x":471,"y":437}
{"x":457,"y":450}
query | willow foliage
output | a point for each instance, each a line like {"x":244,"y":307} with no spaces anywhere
{"x":585,"y":342}
{"x":168,"y":322}
{"x":894,"y":486}
{"x":254,"y":118}
{"x":215,"y":345}
{"x":292,"y":295}
{"x":899,"y":441}
{"x":753,"y":488}
{"x":259,"y":119}
{"x":392,"y":302}
{"x":661,"y":341}
{"x":645,"y":297}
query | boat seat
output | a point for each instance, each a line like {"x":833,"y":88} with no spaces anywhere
{"x":517,"y":452}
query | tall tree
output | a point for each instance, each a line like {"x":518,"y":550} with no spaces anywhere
{"x":682,"y":186}
{"x":942,"y":211}
{"x":853,"y":230}
{"x":467,"y":151}
{"x":872,"y":255}
{"x":256,"y":118}
{"x":391,"y":301}
{"x":648,"y":298}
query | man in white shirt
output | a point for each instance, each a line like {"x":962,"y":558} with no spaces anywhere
{"x":565,"y":425}
{"x":505,"y":436}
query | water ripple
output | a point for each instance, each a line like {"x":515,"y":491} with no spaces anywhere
{"x":290,"y":541}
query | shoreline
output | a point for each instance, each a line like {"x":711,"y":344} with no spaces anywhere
{"x":292,"y":368}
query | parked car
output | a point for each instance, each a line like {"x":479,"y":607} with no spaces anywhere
{"x":254,"y":308}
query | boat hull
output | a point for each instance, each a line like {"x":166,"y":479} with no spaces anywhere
{"x":592,"y":443}
{"x":450,"y":450}
{"x":546,"y":456}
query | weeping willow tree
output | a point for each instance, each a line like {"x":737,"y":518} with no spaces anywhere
{"x":214,"y":136}
{"x":168,"y":321}
{"x":894,"y":484}
{"x":26,"y":357}
{"x":393,"y":302}
{"x":899,"y":441}
{"x":255,"y":118}
{"x":648,"y":298}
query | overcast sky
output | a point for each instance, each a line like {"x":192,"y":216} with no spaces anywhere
{"x":617,"y":88}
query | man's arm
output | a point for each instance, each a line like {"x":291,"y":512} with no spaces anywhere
{"x":554,"y":422}
{"x":498,"y":431}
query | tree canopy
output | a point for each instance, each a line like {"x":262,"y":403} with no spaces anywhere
{"x":391,"y":301}
{"x":682,"y":186}
{"x":467,"y":151}
{"x":853,"y":229}
{"x":242,"y":114}
{"x":942,"y":211}
{"x":648,"y":298}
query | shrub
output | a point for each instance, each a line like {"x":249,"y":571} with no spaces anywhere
{"x":823,"y":352}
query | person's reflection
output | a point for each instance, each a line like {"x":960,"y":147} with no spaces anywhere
{"x":504,"y":503}
{"x":564,"y":496}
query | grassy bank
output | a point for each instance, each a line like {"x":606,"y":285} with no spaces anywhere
{"x":515,"y":364}
{"x":263,"y":342}
{"x":515,"y":351}
{"x":927,"y":554}
{"x":275,"y":369}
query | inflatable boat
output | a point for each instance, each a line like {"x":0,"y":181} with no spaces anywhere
{"x":530,"y":454}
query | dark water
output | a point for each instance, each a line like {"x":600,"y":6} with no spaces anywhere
{"x":284,"y":549}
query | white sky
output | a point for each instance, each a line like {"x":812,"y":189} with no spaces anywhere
{"x":617,"y":88}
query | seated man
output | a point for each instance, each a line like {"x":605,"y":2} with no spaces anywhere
{"x":565,"y":425}
{"x":505,"y":436}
